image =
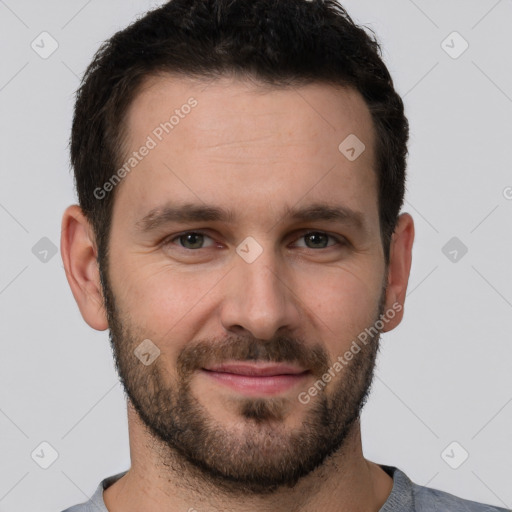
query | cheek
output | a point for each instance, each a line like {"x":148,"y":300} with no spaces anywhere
{"x":163,"y":301}
{"x":344,"y":306}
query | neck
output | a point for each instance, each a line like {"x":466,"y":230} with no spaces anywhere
{"x":346,"y":481}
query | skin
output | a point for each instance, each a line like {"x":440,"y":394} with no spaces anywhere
{"x":255,"y":151}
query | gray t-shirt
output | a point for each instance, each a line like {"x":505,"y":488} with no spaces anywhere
{"x":406,"y":496}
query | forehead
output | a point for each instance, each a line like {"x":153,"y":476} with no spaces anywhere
{"x":238,"y":144}
{"x":227,"y":105}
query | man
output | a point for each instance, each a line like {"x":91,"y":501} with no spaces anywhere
{"x":240,"y":168}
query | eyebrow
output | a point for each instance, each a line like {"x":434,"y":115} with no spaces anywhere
{"x":163,"y":215}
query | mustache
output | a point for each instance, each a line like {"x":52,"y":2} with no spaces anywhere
{"x":281,"y":349}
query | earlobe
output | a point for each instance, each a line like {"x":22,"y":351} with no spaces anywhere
{"x":79,"y":253}
{"x":399,"y":268}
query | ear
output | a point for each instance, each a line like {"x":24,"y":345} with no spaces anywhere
{"x":400,"y":259}
{"x":79,"y":253}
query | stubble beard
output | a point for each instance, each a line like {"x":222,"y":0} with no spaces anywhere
{"x":259,"y":455}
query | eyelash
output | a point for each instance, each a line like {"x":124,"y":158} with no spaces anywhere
{"x":339,"y":240}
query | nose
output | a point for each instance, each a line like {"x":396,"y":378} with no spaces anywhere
{"x":259,"y":298}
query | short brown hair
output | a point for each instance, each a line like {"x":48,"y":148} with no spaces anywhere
{"x":277,"y":42}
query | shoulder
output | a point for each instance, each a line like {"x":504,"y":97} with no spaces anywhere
{"x":83,"y":507}
{"x":433,"y":500}
{"x":96,"y":503}
{"x":427,"y":499}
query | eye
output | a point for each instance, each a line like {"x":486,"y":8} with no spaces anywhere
{"x":194,"y":240}
{"x":190,"y":240}
{"x":319,"y":240}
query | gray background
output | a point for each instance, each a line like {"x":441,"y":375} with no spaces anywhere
{"x":443,"y":375}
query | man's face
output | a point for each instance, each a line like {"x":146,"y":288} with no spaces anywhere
{"x":263,"y":287}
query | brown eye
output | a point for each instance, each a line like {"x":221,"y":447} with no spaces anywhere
{"x":194,"y":239}
{"x":190,"y":240}
{"x":318,"y":240}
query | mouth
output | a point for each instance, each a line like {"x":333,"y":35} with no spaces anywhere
{"x":256,"y":379}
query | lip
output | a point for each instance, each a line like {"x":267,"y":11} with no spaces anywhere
{"x":261,"y":369}
{"x":256,"y":379}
